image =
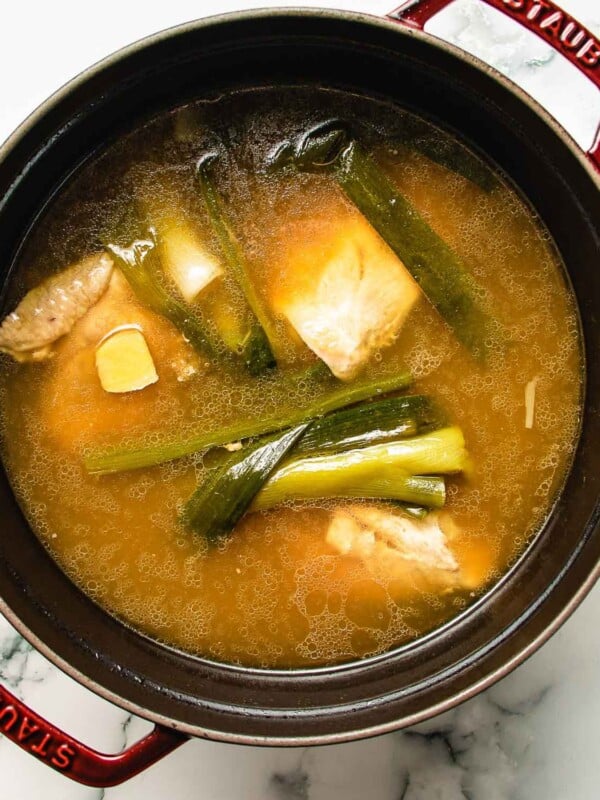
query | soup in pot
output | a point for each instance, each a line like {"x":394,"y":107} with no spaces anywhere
{"x":291,"y":377}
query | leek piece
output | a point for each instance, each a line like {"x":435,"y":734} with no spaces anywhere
{"x":427,"y":490}
{"x":138,"y":264}
{"x":124,"y":458}
{"x":257,"y":349}
{"x":395,"y":471}
{"x":372,"y":423}
{"x":219,"y":502}
{"x":185,"y":259}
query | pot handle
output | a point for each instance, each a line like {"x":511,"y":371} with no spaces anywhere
{"x":74,"y":759}
{"x":542,"y":17}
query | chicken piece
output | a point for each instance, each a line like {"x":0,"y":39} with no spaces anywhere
{"x":75,"y":409}
{"x":357,"y":305}
{"x":50,"y":311}
{"x":393,"y":545}
{"x":419,"y":540}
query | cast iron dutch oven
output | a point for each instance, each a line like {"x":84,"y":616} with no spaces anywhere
{"x":188,"y":696}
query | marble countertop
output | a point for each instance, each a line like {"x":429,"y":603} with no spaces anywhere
{"x":533,"y":736}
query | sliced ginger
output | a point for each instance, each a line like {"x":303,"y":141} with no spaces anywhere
{"x":124,"y":362}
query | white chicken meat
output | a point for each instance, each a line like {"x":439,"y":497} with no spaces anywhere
{"x":393,"y":545}
{"x":357,"y":305}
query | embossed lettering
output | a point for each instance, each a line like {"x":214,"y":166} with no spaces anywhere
{"x":571,"y":41}
{"x":26,"y":729}
{"x":63,"y":758}
{"x":589,"y":53}
{"x":534,"y":11}
{"x":8,"y":716}
{"x":40,"y":747}
{"x":553,"y":22}
{"x":44,"y":745}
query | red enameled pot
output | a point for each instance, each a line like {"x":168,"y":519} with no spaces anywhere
{"x":389,"y":58}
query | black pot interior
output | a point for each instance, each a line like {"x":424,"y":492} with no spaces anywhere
{"x":381,"y":60}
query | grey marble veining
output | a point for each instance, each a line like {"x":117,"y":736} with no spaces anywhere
{"x":531,"y":736}
{"x":528,"y":61}
{"x":534,"y":735}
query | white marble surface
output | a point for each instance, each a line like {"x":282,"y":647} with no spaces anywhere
{"x":534,"y":736}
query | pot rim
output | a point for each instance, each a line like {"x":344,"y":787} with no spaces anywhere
{"x":363,"y":17}
{"x":523,"y":652}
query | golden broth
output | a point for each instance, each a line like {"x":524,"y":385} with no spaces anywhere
{"x":275,"y":593}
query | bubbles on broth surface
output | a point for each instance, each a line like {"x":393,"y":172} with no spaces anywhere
{"x":275,"y":593}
